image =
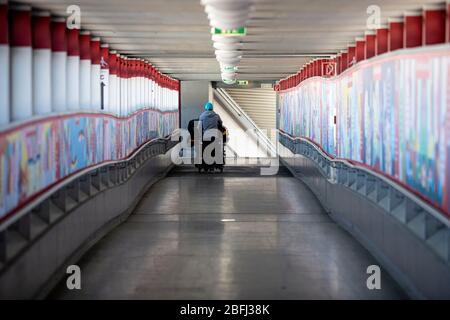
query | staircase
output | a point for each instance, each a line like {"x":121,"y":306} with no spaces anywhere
{"x":259,"y":104}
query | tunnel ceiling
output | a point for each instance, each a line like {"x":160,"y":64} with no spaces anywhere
{"x":175,"y":36}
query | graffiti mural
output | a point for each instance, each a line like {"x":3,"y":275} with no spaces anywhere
{"x":391,"y":113}
{"x":38,"y":154}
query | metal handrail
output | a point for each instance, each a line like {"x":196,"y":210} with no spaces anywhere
{"x":430,"y":209}
{"x":68,"y":180}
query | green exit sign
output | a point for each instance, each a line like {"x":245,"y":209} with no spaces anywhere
{"x":230,"y":32}
{"x":242,"y":82}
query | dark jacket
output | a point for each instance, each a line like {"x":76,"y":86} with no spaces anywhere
{"x":210,"y":120}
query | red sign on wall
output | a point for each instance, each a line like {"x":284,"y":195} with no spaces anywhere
{"x":328,"y":69}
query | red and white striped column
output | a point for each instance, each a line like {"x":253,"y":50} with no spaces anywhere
{"x":137,"y":84}
{"x":142,"y":81}
{"x":42,"y":63}
{"x":112,"y":82}
{"x":146,"y":85}
{"x":119,"y":85}
{"x":125,"y":73}
{"x":73,"y":69}
{"x":129,"y":82}
{"x":85,"y":70}
{"x":131,"y":85}
{"x":152,"y":87}
{"x":123,"y":87}
{"x":21,"y":62}
{"x":105,"y":103}
{"x":158,"y":91}
{"x":149,"y":82}
{"x":95,"y":74}
{"x":59,"y":64}
{"x":4,"y":62}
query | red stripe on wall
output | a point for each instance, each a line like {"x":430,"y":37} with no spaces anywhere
{"x":382,"y":41}
{"x":4,"y":37}
{"x":113,"y":63}
{"x":73,"y":42}
{"x":351,"y":55}
{"x":360,"y":50}
{"x":85,"y":46}
{"x":58,"y":33}
{"x":95,"y":51}
{"x":434,"y":26}
{"x":396,"y":36}
{"x":413,"y":31}
{"x":344,"y":62}
{"x":41,"y":31}
{"x":105,"y":62}
{"x":370,"y":46}
{"x":20,"y":26}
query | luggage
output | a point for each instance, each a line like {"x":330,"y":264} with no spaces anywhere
{"x":219,"y":166}
{"x":204,"y":166}
{"x":191,"y":126}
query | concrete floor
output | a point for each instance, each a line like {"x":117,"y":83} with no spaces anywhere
{"x":278,"y":244}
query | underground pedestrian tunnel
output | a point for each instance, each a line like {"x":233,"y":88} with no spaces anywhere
{"x":336,"y":181}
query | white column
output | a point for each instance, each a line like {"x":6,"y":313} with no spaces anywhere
{"x":104,"y":77}
{"x":85,"y":70}
{"x":113,"y":82}
{"x":5,"y":116}
{"x":73,"y":70}
{"x":122,"y":86}
{"x":119,"y":68}
{"x":141,"y":84}
{"x":21,"y":63}
{"x":95,"y":75}
{"x":133,"y":87}
{"x":59,"y":65}
{"x":136,"y":85}
{"x":129,"y":86}
{"x":146,"y":87}
{"x":42,"y":63}
{"x":126,"y":87}
{"x":152,"y":90}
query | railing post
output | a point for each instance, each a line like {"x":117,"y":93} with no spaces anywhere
{"x":60,"y":199}
{"x":23,"y":226}
{"x":86,"y":185}
{"x":3,"y":246}
{"x":73,"y":190}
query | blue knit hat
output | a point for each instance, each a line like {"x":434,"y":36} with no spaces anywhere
{"x":208,"y":106}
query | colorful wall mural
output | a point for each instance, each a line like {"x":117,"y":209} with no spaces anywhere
{"x":37,"y":154}
{"x":391,"y":113}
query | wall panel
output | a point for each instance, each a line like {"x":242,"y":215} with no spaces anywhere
{"x":392,"y":114}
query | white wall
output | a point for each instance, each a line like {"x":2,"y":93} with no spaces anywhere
{"x":194,"y":95}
